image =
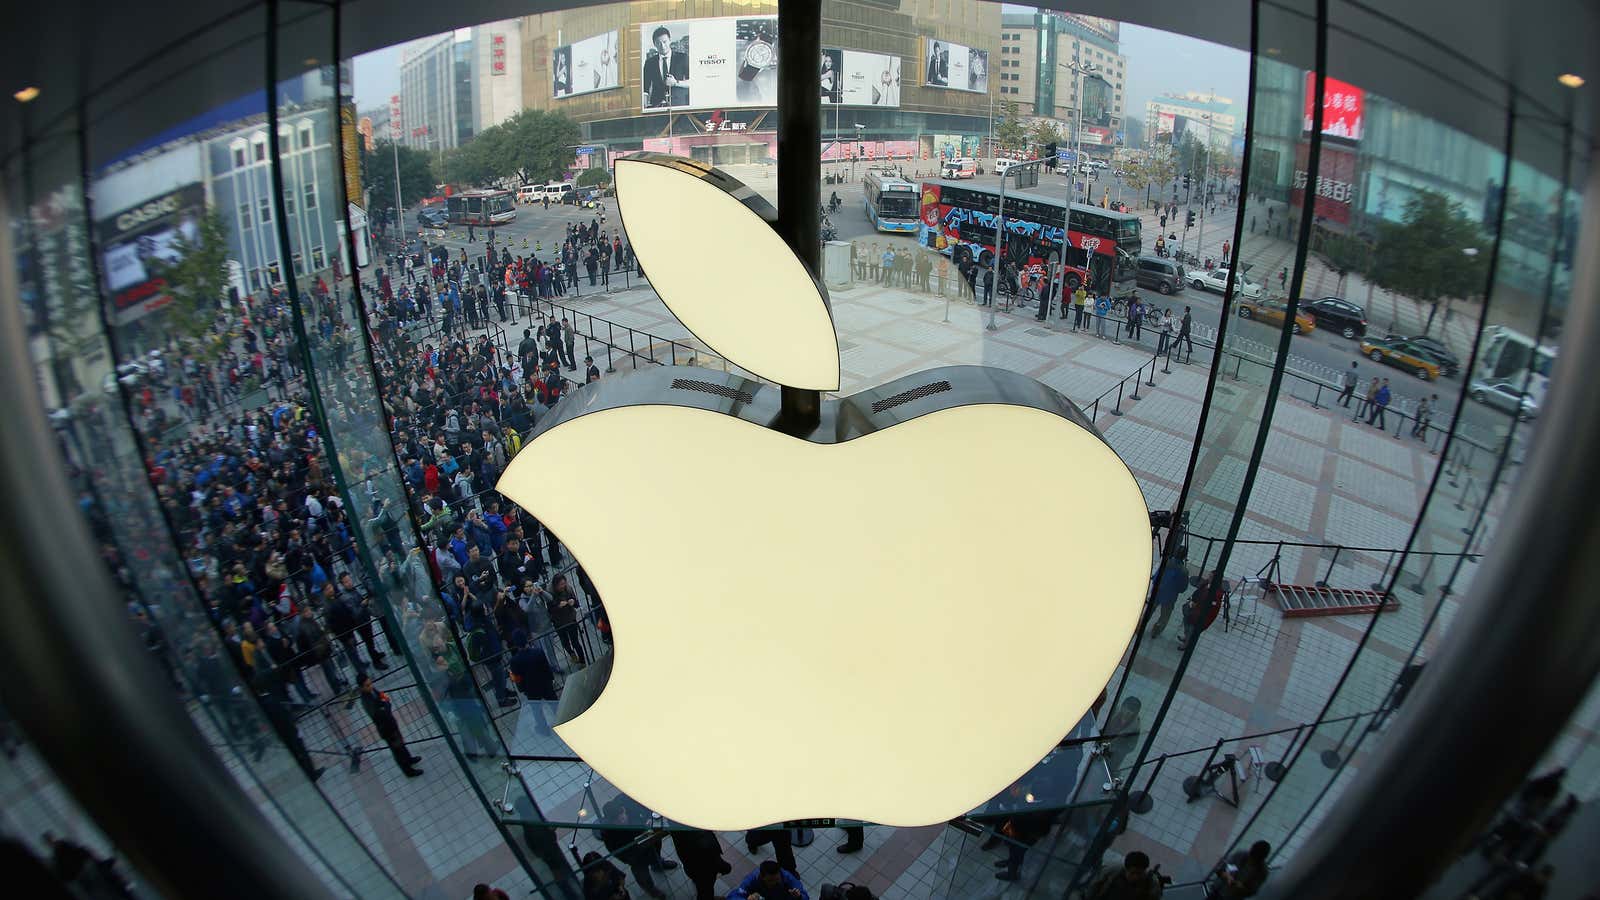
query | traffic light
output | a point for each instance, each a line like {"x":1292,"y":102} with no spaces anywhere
{"x":1050,"y":155}
{"x":1188,"y":221}
{"x":1186,"y":181}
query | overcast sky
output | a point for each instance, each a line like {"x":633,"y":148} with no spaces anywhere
{"x":1159,"y":62}
{"x":377,"y":77}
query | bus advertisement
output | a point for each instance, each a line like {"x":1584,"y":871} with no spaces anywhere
{"x":1104,"y":246}
{"x":480,"y":208}
{"x":891,"y":203}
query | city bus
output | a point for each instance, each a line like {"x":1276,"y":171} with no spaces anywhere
{"x":1507,"y":355}
{"x":480,"y":208}
{"x":891,"y":203}
{"x":1104,"y":245}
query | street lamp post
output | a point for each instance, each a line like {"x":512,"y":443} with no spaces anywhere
{"x":1078,"y":69}
{"x":999,"y":230}
{"x":856,"y":151}
{"x":1205,"y":183}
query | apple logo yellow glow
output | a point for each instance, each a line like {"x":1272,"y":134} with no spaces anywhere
{"x":890,"y":621}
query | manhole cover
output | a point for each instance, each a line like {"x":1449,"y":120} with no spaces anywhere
{"x":1036,"y":331}
{"x":1225,"y":391}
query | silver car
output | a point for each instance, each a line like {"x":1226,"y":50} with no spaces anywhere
{"x":1504,"y":394}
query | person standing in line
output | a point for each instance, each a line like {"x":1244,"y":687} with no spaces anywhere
{"x":1347,"y":386}
{"x":701,"y":855}
{"x":1082,"y":312}
{"x":1185,"y":325}
{"x":988,"y":287}
{"x":570,"y":339}
{"x":1079,"y":298}
{"x":770,"y":881}
{"x":886,"y":265}
{"x":1135,"y":317}
{"x":1173,"y":581}
{"x":1367,"y":402}
{"x":1380,"y":402}
{"x":1425,"y":410}
{"x":378,"y":707}
{"x":1102,"y":308}
{"x":1159,"y":326}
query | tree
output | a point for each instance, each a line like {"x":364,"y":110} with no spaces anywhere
{"x":1009,"y":132}
{"x":416,"y":174}
{"x":1422,"y":255}
{"x":1191,"y":156}
{"x":531,"y":147}
{"x":1346,"y":254}
{"x":199,"y":280}
{"x":1042,"y":132}
{"x":595,"y":176}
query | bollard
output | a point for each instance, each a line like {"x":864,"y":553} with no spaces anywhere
{"x":1317,"y":400}
{"x":1152,"y":381}
{"x":1274,"y":771}
{"x":1331,"y":563}
{"x":611,"y":340}
{"x":1117,"y":410}
{"x":1139,"y":802}
{"x":632,"y":354}
{"x":1137,"y":377}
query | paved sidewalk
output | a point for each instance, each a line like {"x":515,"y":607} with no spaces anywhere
{"x":1325,"y":479}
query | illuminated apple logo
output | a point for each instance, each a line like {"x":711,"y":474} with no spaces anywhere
{"x":890,"y":619}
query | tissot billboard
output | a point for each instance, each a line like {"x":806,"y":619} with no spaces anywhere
{"x":709,"y":63}
{"x":955,"y":66}
{"x":858,"y":78}
{"x":585,"y":66}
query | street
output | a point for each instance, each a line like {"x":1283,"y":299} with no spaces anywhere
{"x":1322,"y":355}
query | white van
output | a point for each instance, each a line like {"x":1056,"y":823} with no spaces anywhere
{"x":530,"y":193}
{"x":1001,"y":164}
{"x":963,"y":167}
{"x":556,"y":190}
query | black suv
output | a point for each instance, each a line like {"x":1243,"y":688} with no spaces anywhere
{"x":1338,"y":315}
{"x":432,"y":218}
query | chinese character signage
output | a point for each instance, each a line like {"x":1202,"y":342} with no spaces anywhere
{"x":1343,"y":108}
{"x":1336,"y":182}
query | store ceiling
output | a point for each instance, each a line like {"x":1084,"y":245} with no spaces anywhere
{"x":140,"y":68}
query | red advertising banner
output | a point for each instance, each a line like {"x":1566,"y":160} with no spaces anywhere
{"x":1343,"y":108}
{"x":1336,"y":182}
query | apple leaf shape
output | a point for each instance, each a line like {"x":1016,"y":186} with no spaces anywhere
{"x":704,"y":241}
{"x":829,"y":635}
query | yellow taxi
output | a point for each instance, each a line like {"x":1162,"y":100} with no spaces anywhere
{"x":1402,"y":353}
{"x":1273,"y":312}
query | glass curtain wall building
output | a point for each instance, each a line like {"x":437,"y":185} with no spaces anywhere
{"x":271,"y":441}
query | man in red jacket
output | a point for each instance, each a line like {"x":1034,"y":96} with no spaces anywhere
{"x":1201,"y":609}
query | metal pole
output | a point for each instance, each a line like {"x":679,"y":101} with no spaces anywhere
{"x":799,"y":159}
{"x":399,"y":207}
{"x":994,"y":262}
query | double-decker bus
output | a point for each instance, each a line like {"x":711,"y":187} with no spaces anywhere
{"x":891,"y":202}
{"x":481,"y":208}
{"x":1103,"y":245}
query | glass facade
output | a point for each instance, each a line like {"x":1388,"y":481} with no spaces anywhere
{"x":285,"y":443}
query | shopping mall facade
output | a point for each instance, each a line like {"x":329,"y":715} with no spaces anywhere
{"x":1238,"y":604}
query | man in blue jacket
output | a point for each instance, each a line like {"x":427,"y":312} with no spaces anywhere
{"x":769,"y":882}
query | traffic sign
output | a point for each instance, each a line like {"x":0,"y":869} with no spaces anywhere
{"x":585,"y":151}
{"x":1064,"y":155}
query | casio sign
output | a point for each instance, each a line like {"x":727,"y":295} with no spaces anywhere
{"x":155,"y":209}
